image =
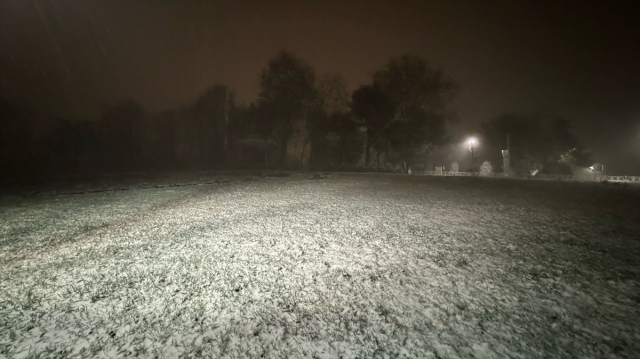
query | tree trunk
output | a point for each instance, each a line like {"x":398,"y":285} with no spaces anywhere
{"x":283,"y":154}
{"x":304,"y":148}
{"x":386,"y":157}
{"x":367,"y":149}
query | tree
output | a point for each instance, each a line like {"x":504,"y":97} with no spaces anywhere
{"x":71,"y":146}
{"x":421,"y":96}
{"x":244,"y":121}
{"x":536,"y":142}
{"x":486,"y":169}
{"x":348,"y":139}
{"x":120,"y":134}
{"x":332,"y":94}
{"x":333,"y":132}
{"x":375,"y":110}
{"x":161,"y":139}
{"x":286,"y":93}
{"x":211,"y":112}
{"x":16,"y":133}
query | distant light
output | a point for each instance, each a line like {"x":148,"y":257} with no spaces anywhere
{"x":471,"y":141}
{"x":593,"y":168}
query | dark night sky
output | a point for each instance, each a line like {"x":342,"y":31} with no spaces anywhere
{"x":576,"y":59}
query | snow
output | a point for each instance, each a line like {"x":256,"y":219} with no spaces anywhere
{"x":351,"y":265}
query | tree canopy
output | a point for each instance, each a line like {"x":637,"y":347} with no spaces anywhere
{"x":414,"y":87}
{"x":419,"y":96}
{"x":333,"y":131}
{"x":120,"y":128}
{"x":286,"y":93}
{"x":375,"y":110}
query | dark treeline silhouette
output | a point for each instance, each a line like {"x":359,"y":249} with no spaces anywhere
{"x":536,"y":142}
{"x":123,"y":139}
{"x":299,"y":120}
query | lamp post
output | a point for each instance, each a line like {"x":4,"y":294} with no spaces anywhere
{"x":471,"y":141}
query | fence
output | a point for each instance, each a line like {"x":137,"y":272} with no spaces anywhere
{"x":541,"y":176}
{"x":635,"y":179}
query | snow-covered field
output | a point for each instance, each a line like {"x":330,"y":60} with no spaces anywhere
{"x":351,"y":266}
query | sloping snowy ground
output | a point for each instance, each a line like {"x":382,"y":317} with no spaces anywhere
{"x":352,"y":266}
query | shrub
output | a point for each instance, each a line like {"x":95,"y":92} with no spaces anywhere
{"x":486,"y":169}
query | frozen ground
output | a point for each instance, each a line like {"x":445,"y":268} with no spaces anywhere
{"x":352,"y":266}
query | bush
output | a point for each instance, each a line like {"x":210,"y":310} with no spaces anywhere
{"x":455,"y":167}
{"x":486,"y":169}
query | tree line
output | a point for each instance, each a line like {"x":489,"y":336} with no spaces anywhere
{"x":536,"y":143}
{"x":299,"y":120}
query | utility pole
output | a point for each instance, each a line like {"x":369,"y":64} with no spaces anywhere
{"x":471,"y":142}
{"x":506,"y":162}
{"x":471,"y":150}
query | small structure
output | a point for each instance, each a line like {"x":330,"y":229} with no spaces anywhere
{"x":455,"y":167}
{"x":597,"y":171}
{"x":597,"y":168}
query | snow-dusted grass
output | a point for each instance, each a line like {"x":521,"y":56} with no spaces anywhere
{"x":356,"y":265}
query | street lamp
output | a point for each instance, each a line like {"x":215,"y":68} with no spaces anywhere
{"x":471,"y":141}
